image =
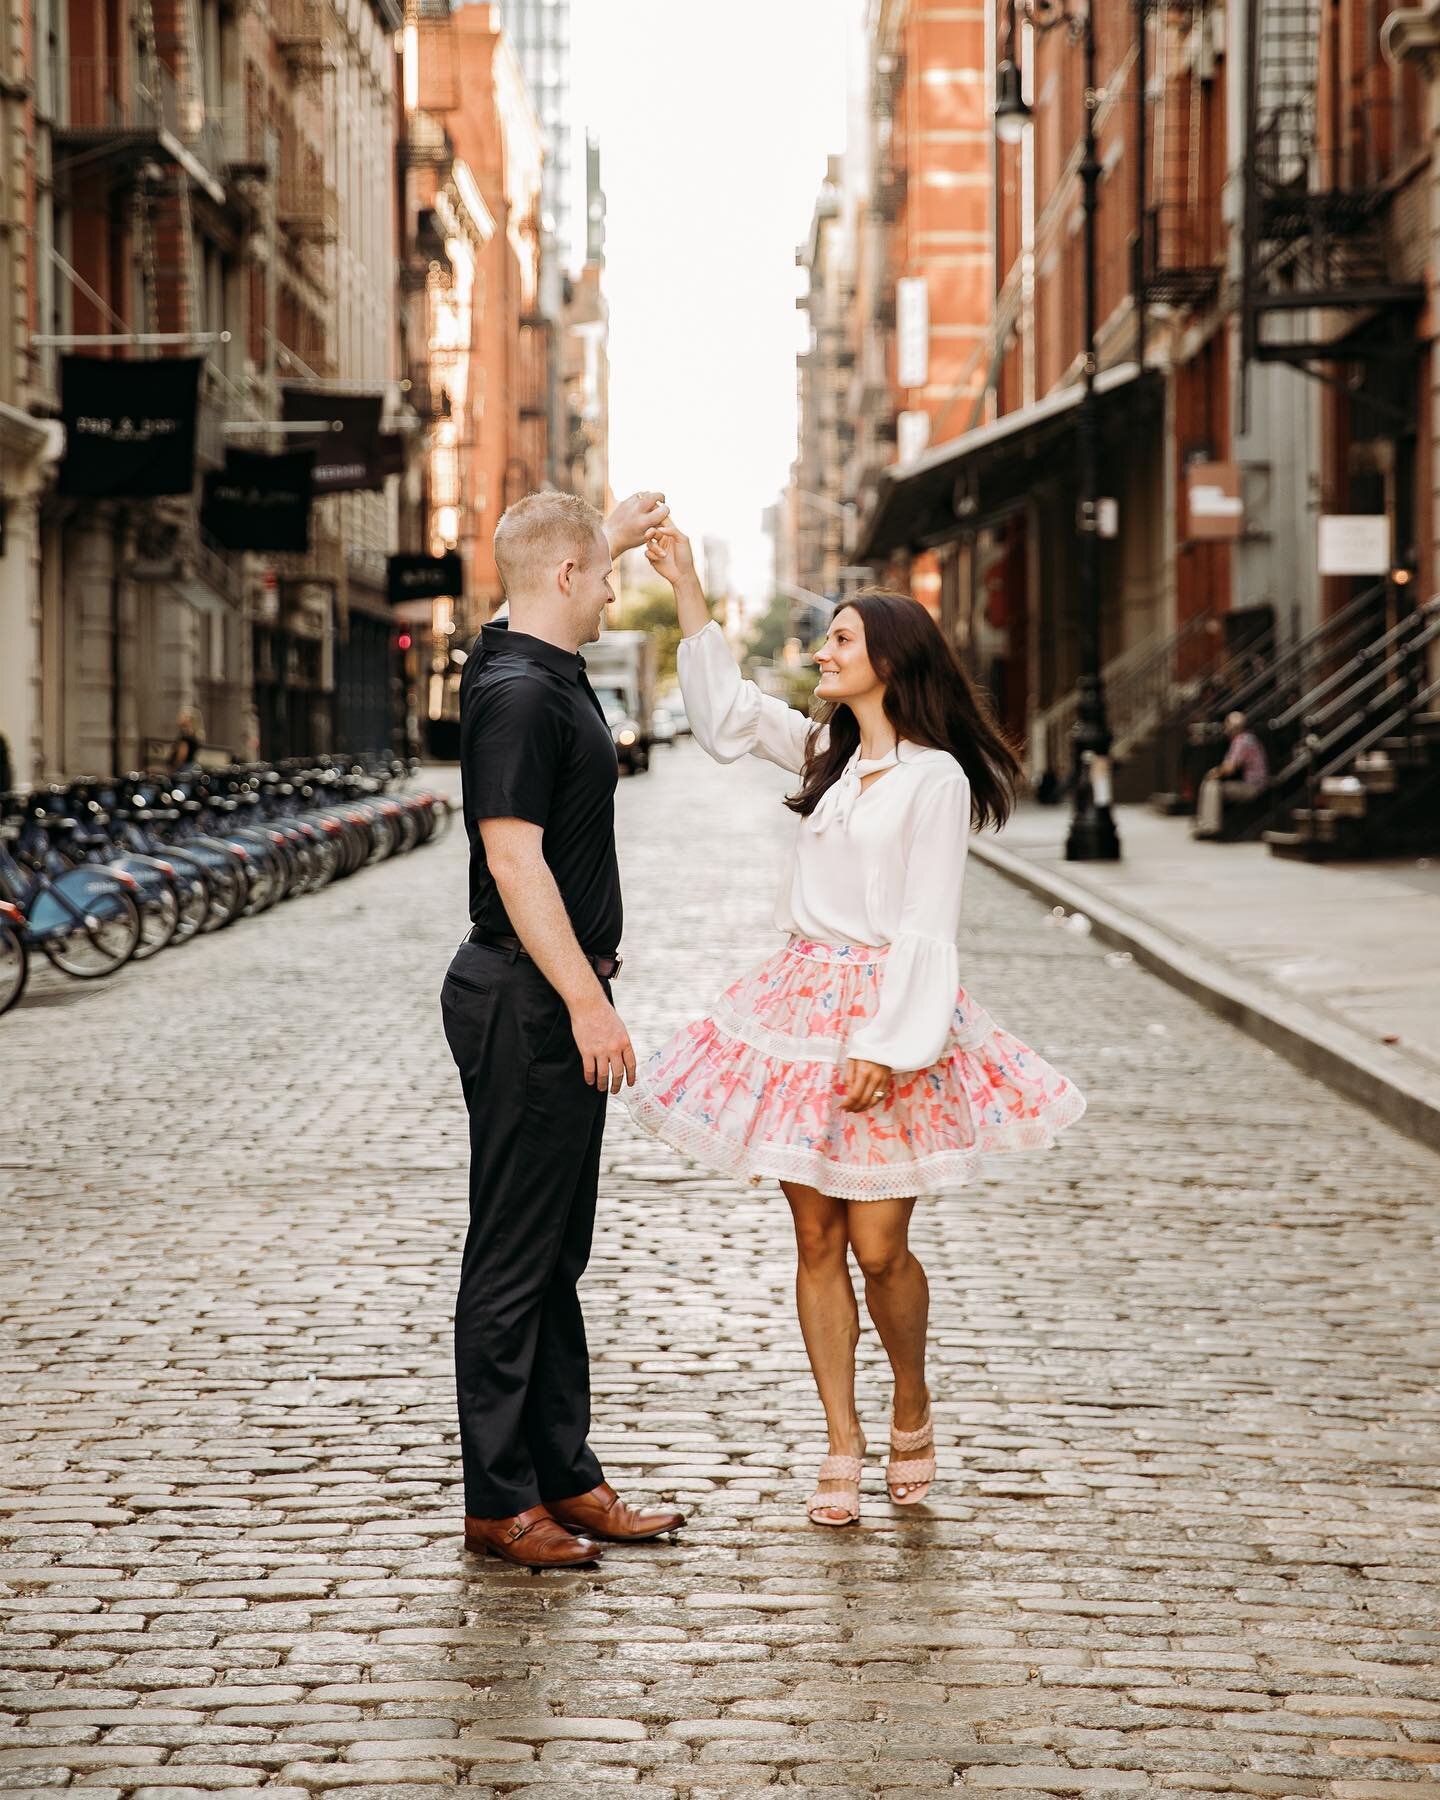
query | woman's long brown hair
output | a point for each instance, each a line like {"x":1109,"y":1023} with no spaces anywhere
{"x":929,"y":699}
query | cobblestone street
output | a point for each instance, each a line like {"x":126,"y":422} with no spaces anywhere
{"x":1185,"y":1535}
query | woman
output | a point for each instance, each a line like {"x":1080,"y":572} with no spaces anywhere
{"x":852,"y":1066}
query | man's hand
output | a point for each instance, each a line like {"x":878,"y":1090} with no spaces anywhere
{"x":604,"y":1044}
{"x":866,"y":1082}
{"x":669,"y":554}
{"x":633,"y":519}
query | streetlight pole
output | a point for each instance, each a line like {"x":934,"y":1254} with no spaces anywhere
{"x":1092,"y":836}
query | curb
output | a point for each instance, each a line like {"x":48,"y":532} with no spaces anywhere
{"x":1332,"y":1052}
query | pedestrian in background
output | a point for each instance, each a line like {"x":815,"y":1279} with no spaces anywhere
{"x":185,"y":751}
{"x":530,"y":1023}
{"x":852,"y":1066}
{"x":1243,"y":775}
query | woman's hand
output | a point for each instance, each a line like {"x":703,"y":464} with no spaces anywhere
{"x":669,"y":554}
{"x":866,"y":1082}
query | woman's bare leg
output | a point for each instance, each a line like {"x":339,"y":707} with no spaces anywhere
{"x":897,"y":1297}
{"x":829,"y":1317}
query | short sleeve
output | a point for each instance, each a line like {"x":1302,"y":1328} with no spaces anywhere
{"x":512,"y":747}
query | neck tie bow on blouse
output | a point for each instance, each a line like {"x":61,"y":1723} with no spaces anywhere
{"x":838,"y":801}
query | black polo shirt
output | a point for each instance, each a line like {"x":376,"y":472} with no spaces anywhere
{"x":534,"y":745}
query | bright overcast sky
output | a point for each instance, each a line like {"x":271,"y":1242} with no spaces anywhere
{"x":714,"y":123}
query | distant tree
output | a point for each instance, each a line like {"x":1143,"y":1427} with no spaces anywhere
{"x":653,"y":610}
{"x":800,"y":686}
{"x":770,"y":632}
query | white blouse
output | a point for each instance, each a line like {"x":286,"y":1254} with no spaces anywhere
{"x":872,"y":866}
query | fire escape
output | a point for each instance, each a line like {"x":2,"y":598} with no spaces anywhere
{"x":1315,"y":219}
{"x":137,"y":144}
{"x":1180,"y":248}
{"x":306,"y":209}
{"x":871,"y":401}
{"x":140,"y":117}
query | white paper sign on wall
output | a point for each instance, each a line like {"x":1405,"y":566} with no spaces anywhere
{"x":1354,"y":543}
{"x":912,"y":434}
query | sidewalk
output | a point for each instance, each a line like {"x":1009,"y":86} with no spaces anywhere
{"x":1336,"y":966}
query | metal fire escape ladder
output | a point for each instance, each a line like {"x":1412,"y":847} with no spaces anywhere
{"x":166,"y":224}
{"x":1314,"y":228}
{"x":1179,"y":266}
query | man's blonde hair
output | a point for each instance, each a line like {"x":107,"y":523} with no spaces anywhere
{"x":540,"y":532}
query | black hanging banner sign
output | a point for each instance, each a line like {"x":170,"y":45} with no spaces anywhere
{"x":390,"y":458}
{"x":425,"y":577}
{"x":352,"y":457}
{"x":259,"y":502}
{"x":129,"y":426}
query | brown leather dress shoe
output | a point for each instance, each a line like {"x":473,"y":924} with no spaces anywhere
{"x":532,"y":1539}
{"x":603,"y":1514}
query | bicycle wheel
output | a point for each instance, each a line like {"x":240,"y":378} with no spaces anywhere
{"x":159,"y":921}
{"x":440,"y":810}
{"x":194,"y":905}
{"x":14,"y":965}
{"x":407,"y":828}
{"x":101,"y":942}
{"x":227,"y":896}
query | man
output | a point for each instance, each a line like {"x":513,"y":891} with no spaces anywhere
{"x":1242,"y":776}
{"x":528,"y":1016}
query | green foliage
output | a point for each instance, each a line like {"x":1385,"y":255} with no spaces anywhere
{"x":653,"y":610}
{"x":770,"y":632}
{"x":800,"y":686}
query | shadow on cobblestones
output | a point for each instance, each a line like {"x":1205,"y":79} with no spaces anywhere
{"x":1185,"y":1533}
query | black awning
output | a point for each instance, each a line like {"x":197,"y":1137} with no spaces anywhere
{"x":990,"y":469}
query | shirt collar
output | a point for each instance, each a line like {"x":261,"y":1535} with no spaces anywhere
{"x":496,"y":638}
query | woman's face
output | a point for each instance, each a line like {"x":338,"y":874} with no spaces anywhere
{"x":846,"y":672}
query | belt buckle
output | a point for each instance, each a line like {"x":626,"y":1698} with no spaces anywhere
{"x":618,"y":963}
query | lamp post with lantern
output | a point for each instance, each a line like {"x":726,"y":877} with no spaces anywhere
{"x":1092,"y":836}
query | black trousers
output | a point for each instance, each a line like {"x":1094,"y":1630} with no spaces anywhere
{"x":522,"y":1368}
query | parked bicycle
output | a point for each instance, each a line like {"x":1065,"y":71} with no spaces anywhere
{"x":102,"y":872}
{"x":86,"y":921}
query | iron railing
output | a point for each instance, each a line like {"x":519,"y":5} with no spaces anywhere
{"x":1139,"y":684}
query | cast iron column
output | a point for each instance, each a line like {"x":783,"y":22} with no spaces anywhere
{"x":1092,"y":836}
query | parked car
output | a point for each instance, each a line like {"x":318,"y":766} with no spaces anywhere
{"x":679,"y":718}
{"x":632,"y":753}
{"x":662,"y":726}
{"x":621,"y":669}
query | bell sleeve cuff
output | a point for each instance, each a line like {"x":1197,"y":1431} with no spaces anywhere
{"x":730,"y":716}
{"x":910,"y":1027}
{"x":917,"y":1005}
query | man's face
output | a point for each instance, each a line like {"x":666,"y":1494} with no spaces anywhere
{"x":590,"y":590}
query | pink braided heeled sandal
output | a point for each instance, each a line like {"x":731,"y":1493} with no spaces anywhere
{"x":843,"y":1472}
{"x":913,"y":1473}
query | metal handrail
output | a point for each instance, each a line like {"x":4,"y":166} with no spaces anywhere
{"x":1409,"y":631}
{"x":1297,"y":653}
{"x":1139,"y":689}
{"x":1136,"y":667}
{"x":1352,"y":644}
{"x":1307,"y":752}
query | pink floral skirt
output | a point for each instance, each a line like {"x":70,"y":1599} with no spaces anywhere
{"x":754,"y":1089}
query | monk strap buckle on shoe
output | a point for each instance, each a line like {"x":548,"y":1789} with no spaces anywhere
{"x":518,"y":1530}
{"x":606,"y":967}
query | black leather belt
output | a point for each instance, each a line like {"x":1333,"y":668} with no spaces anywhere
{"x":606,"y":967}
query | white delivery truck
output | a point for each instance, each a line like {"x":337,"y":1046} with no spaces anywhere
{"x":621,"y":668}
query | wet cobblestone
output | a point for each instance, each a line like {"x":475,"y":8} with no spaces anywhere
{"x":1186,"y":1531}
